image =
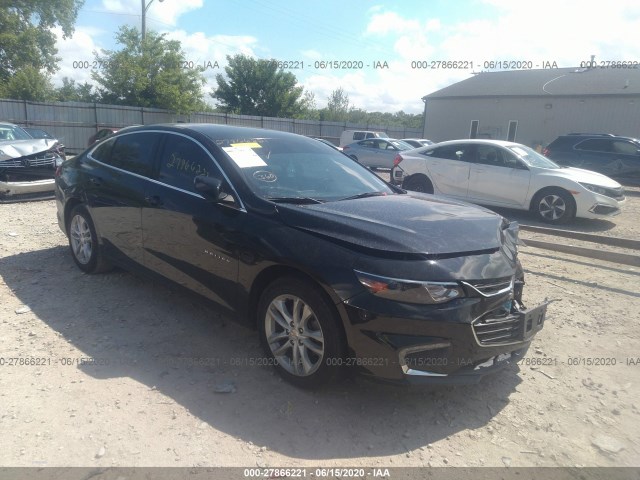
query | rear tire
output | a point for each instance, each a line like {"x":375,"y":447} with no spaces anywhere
{"x":300,"y":332}
{"x":418,"y":183}
{"x":554,"y":205}
{"x":83,"y":242}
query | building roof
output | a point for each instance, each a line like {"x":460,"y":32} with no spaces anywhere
{"x":546,"y":82}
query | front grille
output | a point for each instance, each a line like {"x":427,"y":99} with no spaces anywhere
{"x":489,"y":287}
{"x":498,"y":327}
{"x":42,"y":159}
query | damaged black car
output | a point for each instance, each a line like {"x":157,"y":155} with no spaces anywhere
{"x":334,"y":267}
{"x":27,"y":164}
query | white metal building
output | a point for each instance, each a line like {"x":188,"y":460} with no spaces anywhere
{"x":533,"y":107}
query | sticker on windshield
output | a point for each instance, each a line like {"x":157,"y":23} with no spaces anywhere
{"x":265,"y":176}
{"x":244,"y":157}
{"x":519,"y":151}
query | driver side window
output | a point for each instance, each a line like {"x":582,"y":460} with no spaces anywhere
{"x":182,"y":160}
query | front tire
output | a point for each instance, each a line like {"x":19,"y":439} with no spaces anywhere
{"x":300,"y":332}
{"x":83,"y":242}
{"x":554,"y":205}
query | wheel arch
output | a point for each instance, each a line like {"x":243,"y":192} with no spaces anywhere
{"x":542,"y":190}
{"x":272,"y":273}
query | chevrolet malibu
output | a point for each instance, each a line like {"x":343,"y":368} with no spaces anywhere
{"x":511,"y":175}
{"x":334,"y":267}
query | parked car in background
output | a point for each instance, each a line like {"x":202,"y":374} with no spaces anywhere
{"x":39,"y":133}
{"x":507,"y":174}
{"x":332,"y":265}
{"x":27,"y":165}
{"x":350,"y":136}
{"x":376,"y":152}
{"x":100,"y":134}
{"x":613,"y":155}
{"x":418,"y":142}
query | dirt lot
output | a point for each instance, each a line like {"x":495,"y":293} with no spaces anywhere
{"x":141,"y":400}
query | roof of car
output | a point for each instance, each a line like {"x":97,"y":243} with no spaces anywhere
{"x":485,"y":141}
{"x":546,"y":82}
{"x":213,"y":130}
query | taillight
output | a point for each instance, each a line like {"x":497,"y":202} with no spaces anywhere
{"x":546,"y":152}
{"x":397,"y":160}
{"x":346,"y":147}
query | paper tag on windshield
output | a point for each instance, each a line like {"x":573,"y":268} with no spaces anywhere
{"x":244,"y":157}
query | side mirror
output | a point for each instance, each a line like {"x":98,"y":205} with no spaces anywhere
{"x":209,"y":187}
{"x":459,"y":154}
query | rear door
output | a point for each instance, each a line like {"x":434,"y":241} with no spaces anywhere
{"x":118,"y":173}
{"x":497,"y":176}
{"x":187,"y":238}
{"x":448,"y":168}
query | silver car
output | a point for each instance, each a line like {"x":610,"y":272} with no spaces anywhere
{"x":376,"y":152}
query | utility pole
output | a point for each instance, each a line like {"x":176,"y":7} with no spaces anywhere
{"x":145,"y":7}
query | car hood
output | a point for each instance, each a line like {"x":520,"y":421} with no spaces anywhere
{"x":581,"y":176}
{"x":11,"y":149}
{"x":411,"y":223}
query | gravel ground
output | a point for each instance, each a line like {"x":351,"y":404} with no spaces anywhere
{"x":145,"y":393}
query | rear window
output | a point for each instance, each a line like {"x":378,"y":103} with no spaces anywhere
{"x":134,"y":152}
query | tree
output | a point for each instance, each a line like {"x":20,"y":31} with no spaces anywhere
{"x":258,"y":87}
{"x":70,"y":91}
{"x":26,"y":39}
{"x":28,"y":83}
{"x":148,"y":73}
{"x":337,"y":106}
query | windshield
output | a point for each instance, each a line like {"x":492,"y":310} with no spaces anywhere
{"x":298,"y":168}
{"x":13,"y":132}
{"x":401,"y":144}
{"x":532,"y":158}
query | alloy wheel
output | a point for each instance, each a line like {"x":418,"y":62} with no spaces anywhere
{"x":81,"y":241}
{"x":552,"y":207}
{"x":294,"y":335}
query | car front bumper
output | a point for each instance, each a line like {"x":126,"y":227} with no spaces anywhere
{"x":593,"y":205}
{"x":442,"y":344}
{"x":29,"y":187}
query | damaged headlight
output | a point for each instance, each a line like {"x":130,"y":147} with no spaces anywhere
{"x":410,"y":291}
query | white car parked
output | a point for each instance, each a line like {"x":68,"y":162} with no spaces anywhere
{"x":507,"y":174}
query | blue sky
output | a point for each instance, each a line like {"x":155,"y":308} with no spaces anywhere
{"x":366,"y":32}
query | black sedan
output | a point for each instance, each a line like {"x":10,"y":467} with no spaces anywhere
{"x":334,"y":267}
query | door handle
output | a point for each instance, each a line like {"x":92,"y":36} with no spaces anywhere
{"x":153,"y":200}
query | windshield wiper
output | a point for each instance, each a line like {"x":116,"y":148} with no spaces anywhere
{"x":295,"y":200}
{"x":365,"y":195}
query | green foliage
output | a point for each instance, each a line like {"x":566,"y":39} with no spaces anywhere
{"x":339,"y":109}
{"x":258,"y":87}
{"x":70,"y":91}
{"x":26,"y":39}
{"x":148,"y":74}
{"x":28,"y":83}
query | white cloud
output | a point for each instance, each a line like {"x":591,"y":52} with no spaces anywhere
{"x":546,"y":30}
{"x":76,"y":53}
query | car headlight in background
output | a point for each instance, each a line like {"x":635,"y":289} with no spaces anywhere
{"x":595,"y":188}
{"x":410,"y":291}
